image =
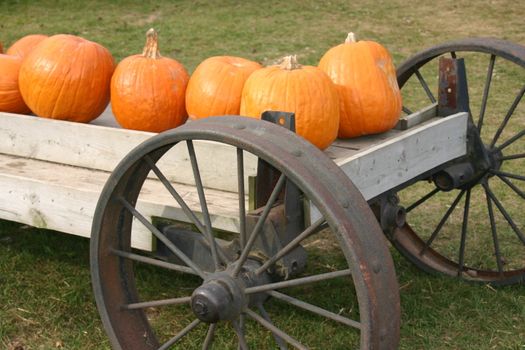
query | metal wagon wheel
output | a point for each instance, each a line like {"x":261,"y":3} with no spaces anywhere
{"x":236,"y":299}
{"x":479,"y":233}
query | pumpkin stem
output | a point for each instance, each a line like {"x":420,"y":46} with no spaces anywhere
{"x":351,"y":38}
{"x":151,"y":49}
{"x":290,"y":63}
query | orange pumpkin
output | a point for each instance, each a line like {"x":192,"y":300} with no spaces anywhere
{"x":215,"y":86}
{"x":10,"y":97}
{"x":304,"y":90}
{"x":148,"y":90}
{"x":67,"y":77}
{"x":25,"y":45}
{"x":366,"y":81}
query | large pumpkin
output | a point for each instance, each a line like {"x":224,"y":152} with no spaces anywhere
{"x":366,"y":81}
{"x":215,"y":86}
{"x":304,"y":90}
{"x":10,"y":97}
{"x":67,"y":77}
{"x":25,"y":45}
{"x":148,"y":90}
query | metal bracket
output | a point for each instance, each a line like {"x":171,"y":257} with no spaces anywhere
{"x":389,"y":213}
{"x":284,"y":119}
{"x":267,"y":175}
{"x":453,"y":88}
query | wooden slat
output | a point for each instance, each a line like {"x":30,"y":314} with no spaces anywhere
{"x":63,"y":198}
{"x":402,"y":155}
{"x":82,"y":155}
{"x":416,"y":118}
{"x":385,"y":165}
{"x":103,"y":147}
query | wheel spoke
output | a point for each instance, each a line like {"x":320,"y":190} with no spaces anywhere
{"x":461,"y":258}
{"x":242,"y":322}
{"x":154,"y":262}
{"x":185,"y":208}
{"x":442,"y":222}
{"x":154,"y":303}
{"x":204,"y":204}
{"x":493,"y":230}
{"x":260,"y":223}
{"x":240,"y":335}
{"x":315,"y":227}
{"x":511,"y":185}
{"x":181,"y":334}
{"x":406,"y":110}
{"x":513,"y":156}
{"x":274,"y":329}
{"x":298,"y":281}
{"x":189,"y":213}
{"x":510,"y":141}
{"x":242,"y":209}
{"x":504,"y":212}
{"x":162,"y":238}
{"x":422,"y":200}
{"x":315,"y":309}
{"x":507,"y":116}
{"x":209,"y":337}
{"x":509,"y":175}
{"x":486,"y":92}
{"x":425,"y":86}
{"x":280,"y":342}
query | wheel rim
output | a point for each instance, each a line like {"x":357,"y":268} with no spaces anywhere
{"x":135,"y":318}
{"x":479,"y":232}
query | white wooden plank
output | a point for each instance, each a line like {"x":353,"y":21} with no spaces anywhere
{"x":102,"y":148}
{"x":418,"y":117}
{"x":392,"y":162}
{"x":63,"y":198}
{"x":380,"y":166}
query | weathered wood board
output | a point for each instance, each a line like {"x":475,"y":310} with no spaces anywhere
{"x":378,"y":163}
{"x":103,"y":147}
{"x":34,"y":150}
{"x":63,"y":198}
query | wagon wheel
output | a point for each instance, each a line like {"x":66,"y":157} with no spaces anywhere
{"x":347,"y":289}
{"x":479,"y":233}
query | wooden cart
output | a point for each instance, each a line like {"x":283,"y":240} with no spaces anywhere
{"x":250,"y":210}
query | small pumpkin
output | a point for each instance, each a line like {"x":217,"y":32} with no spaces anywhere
{"x":148,"y":90}
{"x":10,"y":98}
{"x":215,"y":86}
{"x":67,"y":77}
{"x":25,"y":45}
{"x":304,"y":90}
{"x":366,"y":81}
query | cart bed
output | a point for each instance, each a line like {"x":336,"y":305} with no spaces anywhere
{"x":52,"y":172}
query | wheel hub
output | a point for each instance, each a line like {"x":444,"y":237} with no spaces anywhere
{"x":476,"y":166}
{"x":222,"y":297}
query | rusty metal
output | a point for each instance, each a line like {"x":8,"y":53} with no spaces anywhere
{"x":475,"y":169}
{"x":267,"y":175}
{"x":389,"y":213}
{"x":321,"y":181}
{"x":278,"y":231}
{"x":452,"y":90}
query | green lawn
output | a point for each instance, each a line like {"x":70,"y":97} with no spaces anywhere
{"x":46,"y":299}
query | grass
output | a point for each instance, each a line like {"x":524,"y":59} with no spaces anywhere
{"x":46,"y":300}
